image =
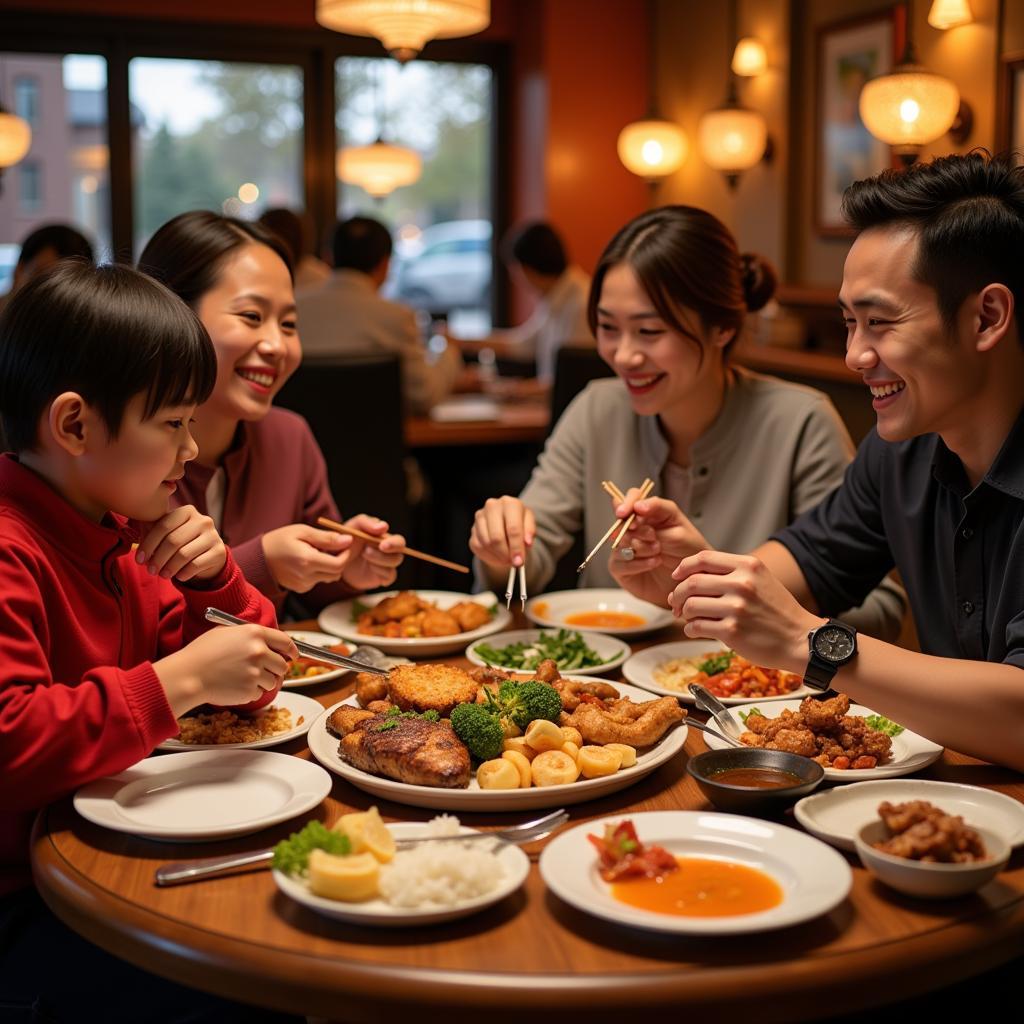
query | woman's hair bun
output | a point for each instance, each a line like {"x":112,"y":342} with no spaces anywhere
{"x":758,"y":279}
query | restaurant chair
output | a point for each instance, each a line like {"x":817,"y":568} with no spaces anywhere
{"x":354,"y":408}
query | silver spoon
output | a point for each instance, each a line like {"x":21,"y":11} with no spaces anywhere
{"x":693,"y":723}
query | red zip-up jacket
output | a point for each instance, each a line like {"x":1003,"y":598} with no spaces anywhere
{"x":80,"y":626}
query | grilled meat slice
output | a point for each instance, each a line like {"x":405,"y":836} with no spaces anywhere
{"x":410,"y":750}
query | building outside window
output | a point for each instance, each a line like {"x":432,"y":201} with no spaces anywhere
{"x":26,"y":99}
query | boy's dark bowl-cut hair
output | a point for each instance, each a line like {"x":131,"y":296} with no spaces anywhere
{"x":108,"y":333}
{"x":968,"y":214}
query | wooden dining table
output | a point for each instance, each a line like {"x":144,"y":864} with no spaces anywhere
{"x":240,"y":937}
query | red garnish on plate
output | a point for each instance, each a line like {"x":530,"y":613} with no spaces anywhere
{"x":622,"y":855}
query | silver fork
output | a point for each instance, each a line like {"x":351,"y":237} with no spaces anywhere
{"x":207,"y":867}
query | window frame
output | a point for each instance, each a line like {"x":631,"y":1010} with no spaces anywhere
{"x":314,"y":51}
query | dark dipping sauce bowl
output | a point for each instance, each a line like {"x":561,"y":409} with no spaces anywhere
{"x":708,"y":769}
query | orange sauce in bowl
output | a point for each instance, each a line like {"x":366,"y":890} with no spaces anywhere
{"x":605,"y":620}
{"x":702,"y":888}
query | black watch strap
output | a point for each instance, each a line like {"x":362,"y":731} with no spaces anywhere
{"x":819,"y":673}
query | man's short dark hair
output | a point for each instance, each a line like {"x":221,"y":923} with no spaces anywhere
{"x":968,"y":215}
{"x":62,"y":238}
{"x":108,"y":333}
{"x":287,"y":225}
{"x":361,"y":243}
{"x":538,"y":247}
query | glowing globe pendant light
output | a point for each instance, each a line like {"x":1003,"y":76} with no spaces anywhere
{"x":652,"y":148}
{"x":379,"y":168}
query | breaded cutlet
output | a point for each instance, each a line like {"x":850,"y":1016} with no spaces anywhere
{"x":431,"y":687}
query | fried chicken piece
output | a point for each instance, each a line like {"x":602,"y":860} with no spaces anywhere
{"x":794,"y":741}
{"x":547,"y":672}
{"x":410,"y":750}
{"x":824,"y":715}
{"x":379,"y":707}
{"x":403,"y":604}
{"x":438,"y":623}
{"x":925,"y":832}
{"x":570,"y":690}
{"x":370,"y":687}
{"x":431,"y":687}
{"x":411,"y":625}
{"x":469,"y":615}
{"x":346,"y":718}
{"x":651,"y":722}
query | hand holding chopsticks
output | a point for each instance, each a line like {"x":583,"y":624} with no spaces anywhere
{"x":622,"y":525}
{"x":330,"y":524}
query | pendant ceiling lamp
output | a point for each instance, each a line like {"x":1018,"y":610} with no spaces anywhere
{"x":749,"y":58}
{"x":912,"y":106}
{"x":732,"y":138}
{"x":381,"y":167}
{"x":15,"y":139}
{"x":404,"y":26}
{"x":653,"y":147}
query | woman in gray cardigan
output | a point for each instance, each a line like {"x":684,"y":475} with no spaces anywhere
{"x":740,"y":453}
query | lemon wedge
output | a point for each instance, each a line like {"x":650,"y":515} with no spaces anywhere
{"x":368,"y":834}
{"x":352,"y":879}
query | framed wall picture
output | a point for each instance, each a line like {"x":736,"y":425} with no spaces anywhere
{"x":848,"y":54}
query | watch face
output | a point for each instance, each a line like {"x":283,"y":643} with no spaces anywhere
{"x":833,"y":644}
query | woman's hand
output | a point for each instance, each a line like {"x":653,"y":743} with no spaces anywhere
{"x":503,"y":531}
{"x":736,"y":599}
{"x":371,"y":565}
{"x":659,"y":537}
{"x":299,"y":556}
{"x":183,"y":544}
{"x":227,"y":666}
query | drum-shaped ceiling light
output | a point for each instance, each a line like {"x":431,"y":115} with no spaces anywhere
{"x":405,"y":26}
{"x":379,"y":168}
{"x":652,"y":148}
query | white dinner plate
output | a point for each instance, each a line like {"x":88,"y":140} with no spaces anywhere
{"x":320,"y":640}
{"x":304,"y":708}
{"x":337,"y":618}
{"x":837,"y":815}
{"x":612,"y":651}
{"x":813,"y":877}
{"x":556,"y":608}
{"x":910,"y":752}
{"x":325,"y":749}
{"x":204,"y":794}
{"x":377,"y":912}
{"x":639,"y":670}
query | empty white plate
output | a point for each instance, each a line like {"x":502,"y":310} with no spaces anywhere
{"x":837,"y":815}
{"x":204,"y":794}
{"x":813,"y":877}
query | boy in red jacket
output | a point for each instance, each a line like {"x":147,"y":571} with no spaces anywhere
{"x":103,"y":646}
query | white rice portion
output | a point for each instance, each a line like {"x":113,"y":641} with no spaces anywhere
{"x":440,"y":874}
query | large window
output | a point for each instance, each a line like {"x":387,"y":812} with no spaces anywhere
{"x":216,"y":136}
{"x":442,"y":222}
{"x":64,"y":177}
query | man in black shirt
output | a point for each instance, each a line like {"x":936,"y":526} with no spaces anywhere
{"x":931,"y":290}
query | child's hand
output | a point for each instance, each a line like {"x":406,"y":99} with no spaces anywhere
{"x":369,"y":565}
{"x":299,"y":556}
{"x":183,"y":544}
{"x":228,"y":666}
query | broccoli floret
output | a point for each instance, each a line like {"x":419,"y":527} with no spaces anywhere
{"x":524,"y":703}
{"x":479,"y":729}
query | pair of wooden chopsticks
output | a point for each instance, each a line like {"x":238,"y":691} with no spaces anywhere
{"x":330,"y":524}
{"x":645,"y":489}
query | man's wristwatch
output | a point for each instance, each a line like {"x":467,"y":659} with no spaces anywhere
{"x":829,"y":647}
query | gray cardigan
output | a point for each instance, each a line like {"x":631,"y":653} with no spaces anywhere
{"x":775,"y":450}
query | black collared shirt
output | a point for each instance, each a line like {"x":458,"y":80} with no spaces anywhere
{"x":960,"y":551}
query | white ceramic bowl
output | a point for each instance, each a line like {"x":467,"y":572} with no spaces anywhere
{"x":927,"y":880}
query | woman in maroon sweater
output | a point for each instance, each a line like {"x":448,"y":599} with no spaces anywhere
{"x":260,"y":473}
